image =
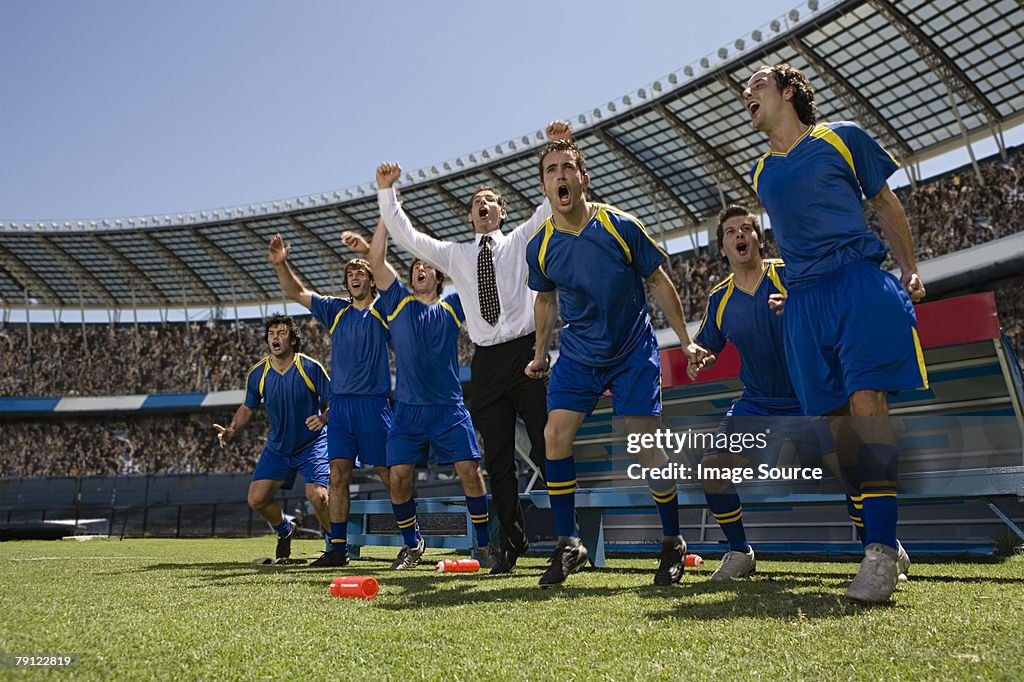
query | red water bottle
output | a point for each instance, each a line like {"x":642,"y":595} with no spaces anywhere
{"x":693,"y":561}
{"x":458,"y":566}
{"x":354,"y":586}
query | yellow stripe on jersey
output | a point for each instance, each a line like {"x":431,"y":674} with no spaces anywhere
{"x":823,"y":132}
{"x":759,"y":168}
{"x":302,"y":373}
{"x":639,"y":223}
{"x":373,"y":311}
{"x":263,"y":378}
{"x":920,"y":358}
{"x":398,"y":308}
{"x":721,"y":305}
{"x":549,"y":229}
{"x":606,"y":223}
{"x":707,"y":307}
{"x":447,"y":306}
{"x":338,"y":317}
{"x":774,"y":276}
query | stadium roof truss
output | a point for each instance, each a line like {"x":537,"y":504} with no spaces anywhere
{"x":923,"y":76}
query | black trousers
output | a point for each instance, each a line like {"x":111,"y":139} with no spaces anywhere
{"x":500,"y":390}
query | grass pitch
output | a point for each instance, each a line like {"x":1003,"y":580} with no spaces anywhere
{"x":183,"y":609}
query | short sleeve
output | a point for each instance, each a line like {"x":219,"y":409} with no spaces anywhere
{"x":871,"y":162}
{"x":647,"y":256}
{"x":388,"y":299}
{"x":710,"y":335}
{"x":320,"y":379}
{"x":535,"y":278}
{"x":252,"y":387}
{"x":325,"y":308}
{"x":455,"y":301}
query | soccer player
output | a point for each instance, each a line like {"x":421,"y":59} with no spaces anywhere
{"x":292,"y":386}
{"x":850,"y":328}
{"x":360,"y":385}
{"x":739,"y":311}
{"x":490,"y":274}
{"x":597,"y":259}
{"x":429,"y":411}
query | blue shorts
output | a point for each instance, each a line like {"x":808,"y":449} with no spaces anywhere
{"x":853,"y":330}
{"x":310,"y":461}
{"x":448,"y":428}
{"x":358,"y":427}
{"x":810,"y":436}
{"x":635,"y":384}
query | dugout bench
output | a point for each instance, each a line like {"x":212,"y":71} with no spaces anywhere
{"x":960,"y":439}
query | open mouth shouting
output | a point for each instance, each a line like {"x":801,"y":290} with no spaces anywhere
{"x":563,"y":194}
{"x":275,"y":346}
{"x":742,"y":248}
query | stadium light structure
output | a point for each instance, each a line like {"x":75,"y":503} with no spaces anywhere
{"x":812,"y":5}
{"x":756,"y":35}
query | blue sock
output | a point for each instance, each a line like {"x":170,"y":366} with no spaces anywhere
{"x":477,"y":507}
{"x":725,"y":506}
{"x":338,"y":540}
{"x":667,"y":503}
{"x":282,"y":529}
{"x":405,"y":516}
{"x":853,"y":508}
{"x":561,"y":475}
{"x":877,"y":465}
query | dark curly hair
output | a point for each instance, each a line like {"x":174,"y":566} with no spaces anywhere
{"x":293,"y":329}
{"x":561,"y":146}
{"x":732,"y":211}
{"x":440,"y":275}
{"x":787,"y":76}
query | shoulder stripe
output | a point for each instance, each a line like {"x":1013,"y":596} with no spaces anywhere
{"x":317,"y":363}
{"x":302,"y":372}
{"x":606,"y":223}
{"x":759,"y":168}
{"x":447,"y":306}
{"x":338,"y":317}
{"x":721,"y":304}
{"x":375,"y":313}
{"x":549,"y":229}
{"x":263,"y":378}
{"x":398,"y":308}
{"x":774,"y":276}
{"x":823,"y":132}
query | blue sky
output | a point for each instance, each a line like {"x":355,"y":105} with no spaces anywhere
{"x":130,"y":107}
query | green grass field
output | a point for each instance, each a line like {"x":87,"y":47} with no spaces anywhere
{"x":176,"y":609}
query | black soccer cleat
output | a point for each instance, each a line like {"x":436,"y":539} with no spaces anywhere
{"x":284,"y":545}
{"x":506,"y":560}
{"x":670,"y":565}
{"x":568,"y":557}
{"x":336,"y":558}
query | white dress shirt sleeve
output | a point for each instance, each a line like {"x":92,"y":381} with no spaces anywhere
{"x":523,"y":232}
{"x":436,"y":252}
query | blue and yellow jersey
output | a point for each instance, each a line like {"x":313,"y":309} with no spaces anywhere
{"x":599,"y":274}
{"x":813,"y":196}
{"x":426,"y":343}
{"x":291,"y":397}
{"x":744,"y":318}
{"x":359,"y":346}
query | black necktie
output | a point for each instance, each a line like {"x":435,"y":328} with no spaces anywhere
{"x":490,"y":307}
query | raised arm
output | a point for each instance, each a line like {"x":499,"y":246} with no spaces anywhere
{"x":242,"y":416}
{"x":545,"y":312}
{"x":556,"y":130}
{"x":896,"y":230}
{"x":434,"y":251}
{"x":383,"y":273}
{"x":277,"y":254}
{"x":667,"y":298}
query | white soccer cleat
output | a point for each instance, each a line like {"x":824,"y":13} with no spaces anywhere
{"x":735,"y":565}
{"x":876,"y":580}
{"x":902,"y":562}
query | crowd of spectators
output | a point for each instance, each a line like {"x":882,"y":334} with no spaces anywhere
{"x":135,"y":444}
{"x":947,"y":214}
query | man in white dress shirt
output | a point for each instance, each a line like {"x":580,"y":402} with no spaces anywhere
{"x":490,"y":275}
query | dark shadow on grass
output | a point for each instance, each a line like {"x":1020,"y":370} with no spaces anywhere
{"x":760,"y":597}
{"x":914,"y":577}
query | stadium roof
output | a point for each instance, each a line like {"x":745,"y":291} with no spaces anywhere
{"x":921,"y":75}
